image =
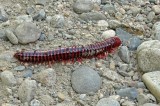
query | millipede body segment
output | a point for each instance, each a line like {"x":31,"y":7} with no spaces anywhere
{"x":99,"y":49}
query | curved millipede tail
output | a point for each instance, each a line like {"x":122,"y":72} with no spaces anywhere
{"x":74,"y":53}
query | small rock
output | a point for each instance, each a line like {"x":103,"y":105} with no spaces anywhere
{"x":124,"y":54}
{"x":131,"y":93}
{"x":35,"y":102}
{"x":108,"y":34}
{"x":27,"y":90}
{"x":30,"y":10}
{"x":113,"y":24}
{"x":66,"y":104}
{"x":92,"y":16}
{"x":61,"y":96}
{"x":41,"y":2}
{"x":3,"y":15}
{"x":141,"y":85}
{"x":7,"y":104}
{"x":8,"y":78}
{"x":3,"y":34}
{"x":151,"y":80}
{"x":24,"y":18}
{"x":13,"y":39}
{"x":156,"y":30}
{"x":107,"y":102}
{"x":27,"y":74}
{"x":156,"y":9}
{"x":109,"y":8}
{"x":150,"y":104}
{"x":27,"y":32}
{"x":19,"y":68}
{"x":42,"y":37}
{"x":46,"y":100}
{"x":111,"y":75}
{"x":57,"y":21}
{"x":85,"y":80}
{"x":135,"y":10}
{"x":133,"y":43}
{"x":151,"y":16}
{"x":47,"y":77}
{"x":82,"y":7}
{"x":128,"y":103}
{"x":41,"y":15}
{"x":142,"y":99}
{"x":102,"y":23}
{"x":82,"y":96}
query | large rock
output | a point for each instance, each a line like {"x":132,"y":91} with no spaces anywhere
{"x":152,"y":81}
{"x":85,"y":80}
{"x":148,"y":55}
{"x":27,"y":32}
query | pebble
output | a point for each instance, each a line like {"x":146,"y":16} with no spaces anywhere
{"x":8,"y":78}
{"x":151,"y":80}
{"x":135,"y":10}
{"x":82,"y":6}
{"x":61,"y":96}
{"x":124,"y":54}
{"x":156,"y":9}
{"x":102,"y":23}
{"x":46,"y":100}
{"x":133,"y":43}
{"x":19,"y":68}
{"x":41,"y":15}
{"x":27,"y":32}
{"x":3,"y":15}
{"x":150,"y":104}
{"x":42,"y":37}
{"x":151,"y":16}
{"x":107,"y":102}
{"x":113,"y":24}
{"x":128,"y":103}
{"x":92,"y":16}
{"x":24,"y":18}
{"x":41,"y":2}
{"x":10,"y":35}
{"x":3,"y":34}
{"x":111,"y":75}
{"x":66,"y":104}
{"x":46,"y":77}
{"x":27,"y":74}
{"x":85,"y":80}
{"x":142,"y":99}
{"x":108,"y":34}
{"x":109,"y":8}
{"x":35,"y":102}
{"x":7,"y":104}
{"x":30,"y":10}
{"x":131,"y":93}
{"x":27,"y":90}
{"x":156,"y":30}
{"x":57,"y":21}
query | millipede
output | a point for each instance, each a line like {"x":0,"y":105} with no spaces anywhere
{"x":73,"y":53}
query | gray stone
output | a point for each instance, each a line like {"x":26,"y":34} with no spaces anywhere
{"x":41,"y":2}
{"x":152,"y":1}
{"x":111,"y":75}
{"x":41,"y":15}
{"x":151,"y":16}
{"x":3,"y":34}
{"x":109,"y":8}
{"x":92,"y":16}
{"x":124,"y":54}
{"x":8,"y":78}
{"x":82,"y":7}
{"x":128,"y":103}
{"x":27,"y":90}
{"x":47,"y":100}
{"x":42,"y":37}
{"x":10,"y":35}
{"x":35,"y":102}
{"x":27,"y":32}
{"x":3,"y":15}
{"x":30,"y":10}
{"x":135,"y":10}
{"x":133,"y":43}
{"x":156,"y":9}
{"x":27,"y":74}
{"x":57,"y":21}
{"x":19,"y":68}
{"x":102,"y":23}
{"x":131,"y":93}
{"x":108,"y":34}
{"x":24,"y":18}
{"x":113,"y":24}
{"x":150,"y":104}
{"x":47,"y":77}
{"x":156,"y":30}
{"x":152,"y":81}
{"x":142,"y":99}
{"x":107,"y":102}
{"x":85,"y":80}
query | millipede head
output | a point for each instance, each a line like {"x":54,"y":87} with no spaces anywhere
{"x":17,"y":55}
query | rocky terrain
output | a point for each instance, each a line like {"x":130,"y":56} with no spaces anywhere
{"x":129,"y":77}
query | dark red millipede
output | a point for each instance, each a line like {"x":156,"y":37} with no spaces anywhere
{"x":99,"y":49}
